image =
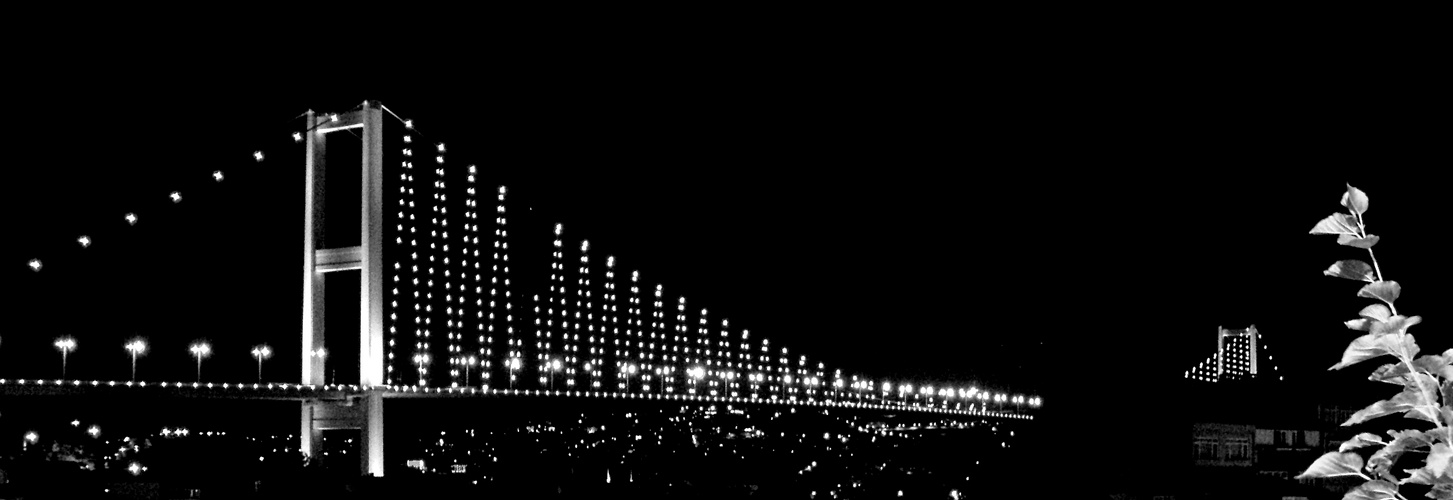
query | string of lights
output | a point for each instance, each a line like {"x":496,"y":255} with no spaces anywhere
{"x":635,"y":341}
{"x":612,"y":354}
{"x":501,"y":270}
{"x":557,"y":297}
{"x":583,"y":289}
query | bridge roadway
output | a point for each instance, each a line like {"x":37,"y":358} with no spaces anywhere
{"x":303,"y":392}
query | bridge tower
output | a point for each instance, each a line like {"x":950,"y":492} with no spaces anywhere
{"x":337,"y":241}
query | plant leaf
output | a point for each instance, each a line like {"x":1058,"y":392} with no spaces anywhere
{"x":1391,"y":373}
{"x":1441,"y":492}
{"x":1428,"y":387}
{"x":1386,"y":291}
{"x":1361,"y":440}
{"x":1431,"y":364}
{"x":1361,"y":349}
{"x":1439,"y":457}
{"x":1336,"y":224}
{"x":1355,"y":200}
{"x":1373,"y":490}
{"x":1399,"y":344}
{"x":1378,"y":312}
{"x":1417,"y":476}
{"x":1395,"y":324}
{"x":1334,"y":464}
{"x":1353,"y":241}
{"x":1351,"y":269}
{"x":1402,"y":441}
{"x":1403,"y":401}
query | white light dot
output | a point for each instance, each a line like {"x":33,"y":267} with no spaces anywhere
{"x":257,"y":155}
{"x":297,"y":137}
{"x":217,"y":175}
{"x":84,"y":240}
{"x":176,"y":197}
{"x":34,"y":265}
{"x":131,"y":218}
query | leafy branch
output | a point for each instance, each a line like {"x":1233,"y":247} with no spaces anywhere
{"x":1424,"y":379}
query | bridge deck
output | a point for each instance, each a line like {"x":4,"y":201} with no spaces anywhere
{"x":303,"y":392}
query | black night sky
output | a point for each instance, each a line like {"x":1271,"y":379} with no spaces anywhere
{"x":1077,"y":234}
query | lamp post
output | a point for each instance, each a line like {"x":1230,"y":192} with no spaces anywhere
{"x":136,"y":347}
{"x":200,"y":350}
{"x":696,"y":374}
{"x":261,"y":352}
{"x":554,"y":367}
{"x":66,"y":345}
{"x":514,"y":364}
{"x":469,"y":361}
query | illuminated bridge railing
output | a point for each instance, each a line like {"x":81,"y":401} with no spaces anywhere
{"x":289,"y":391}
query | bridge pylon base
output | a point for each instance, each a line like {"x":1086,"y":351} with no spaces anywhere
{"x":362,"y":412}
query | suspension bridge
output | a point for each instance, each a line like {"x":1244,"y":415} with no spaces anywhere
{"x":425,"y":248}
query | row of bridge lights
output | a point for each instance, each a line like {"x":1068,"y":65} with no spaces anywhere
{"x":754,"y":398}
{"x":200,"y":350}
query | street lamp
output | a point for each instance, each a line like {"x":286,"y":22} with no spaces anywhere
{"x":554,"y":367}
{"x":514,"y":366}
{"x":200,"y":350}
{"x":66,"y":345}
{"x":261,"y":352}
{"x":136,"y":347}
{"x":696,"y":374}
{"x":469,"y":361}
{"x":30,"y":438}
